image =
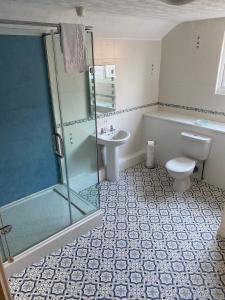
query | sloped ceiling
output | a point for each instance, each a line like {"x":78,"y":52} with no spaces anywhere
{"x":138,"y":19}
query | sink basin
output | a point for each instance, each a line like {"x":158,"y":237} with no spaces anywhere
{"x":111,"y":141}
{"x":114,"y":139}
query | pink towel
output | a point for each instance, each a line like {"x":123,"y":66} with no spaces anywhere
{"x":74,"y":47}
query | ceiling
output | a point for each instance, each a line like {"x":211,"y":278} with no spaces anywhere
{"x":139,"y":19}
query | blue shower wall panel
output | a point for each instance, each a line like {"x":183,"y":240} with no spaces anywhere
{"x":28,"y":163}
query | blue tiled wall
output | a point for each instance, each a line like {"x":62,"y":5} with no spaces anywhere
{"x":27,"y":160}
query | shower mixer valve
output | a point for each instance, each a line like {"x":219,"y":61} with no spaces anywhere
{"x":71,"y":138}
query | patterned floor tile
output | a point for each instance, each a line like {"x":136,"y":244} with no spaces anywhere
{"x":153,"y":244}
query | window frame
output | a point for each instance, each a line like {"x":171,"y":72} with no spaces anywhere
{"x":220,"y":83}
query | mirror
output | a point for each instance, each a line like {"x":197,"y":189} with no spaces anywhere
{"x":102,"y":82}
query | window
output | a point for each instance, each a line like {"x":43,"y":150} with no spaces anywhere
{"x":220,"y":84}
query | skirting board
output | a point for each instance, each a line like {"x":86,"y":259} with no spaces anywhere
{"x":53,"y":243}
{"x":126,"y":162}
{"x":132,"y":160}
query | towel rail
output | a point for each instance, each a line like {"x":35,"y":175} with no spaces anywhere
{"x":35,"y":23}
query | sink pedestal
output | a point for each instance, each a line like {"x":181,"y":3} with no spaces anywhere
{"x":112,"y":165}
{"x":112,"y":140}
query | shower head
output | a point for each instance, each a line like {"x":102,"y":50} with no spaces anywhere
{"x":177,"y":2}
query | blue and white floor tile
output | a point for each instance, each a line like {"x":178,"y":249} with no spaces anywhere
{"x":154,"y":244}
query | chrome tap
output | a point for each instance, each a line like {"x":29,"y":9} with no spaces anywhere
{"x":102,"y":130}
{"x":111,"y":128}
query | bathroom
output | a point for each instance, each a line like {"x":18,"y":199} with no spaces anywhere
{"x":76,"y":224}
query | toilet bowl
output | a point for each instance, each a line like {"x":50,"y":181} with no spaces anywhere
{"x":195,"y":147}
{"x":180,"y":169}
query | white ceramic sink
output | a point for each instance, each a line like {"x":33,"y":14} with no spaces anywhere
{"x":111,"y":141}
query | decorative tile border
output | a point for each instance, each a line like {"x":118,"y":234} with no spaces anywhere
{"x":109,"y":114}
{"x":118,"y":112}
{"x":163,"y":104}
{"x":195,"y":109}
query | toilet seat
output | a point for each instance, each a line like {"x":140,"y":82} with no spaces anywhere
{"x":181,"y":165}
{"x":180,"y":168}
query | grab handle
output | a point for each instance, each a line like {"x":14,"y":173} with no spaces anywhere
{"x":59,"y":148}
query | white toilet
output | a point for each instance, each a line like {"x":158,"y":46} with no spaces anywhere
{"x":195,"y":147}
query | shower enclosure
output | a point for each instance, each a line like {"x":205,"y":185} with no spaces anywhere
{"x":49,"y":172}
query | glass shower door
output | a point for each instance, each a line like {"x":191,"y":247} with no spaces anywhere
{"x":71,"y":91}
{"x":52,"y":140}
{"x":29,"y":167}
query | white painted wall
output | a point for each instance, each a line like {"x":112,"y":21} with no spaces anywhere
{"x":188,"y":74}
{"x":136,"y":85}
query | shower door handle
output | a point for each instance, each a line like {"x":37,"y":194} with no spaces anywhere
{"x":58,"y":142}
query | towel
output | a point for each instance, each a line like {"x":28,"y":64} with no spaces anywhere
{"x":73,"y":45}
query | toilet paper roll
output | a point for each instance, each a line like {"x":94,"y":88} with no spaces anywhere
{"x":150,"y":161}
{"x":151,"y":143}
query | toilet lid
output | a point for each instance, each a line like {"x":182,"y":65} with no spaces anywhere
{"x":180,"y":164}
